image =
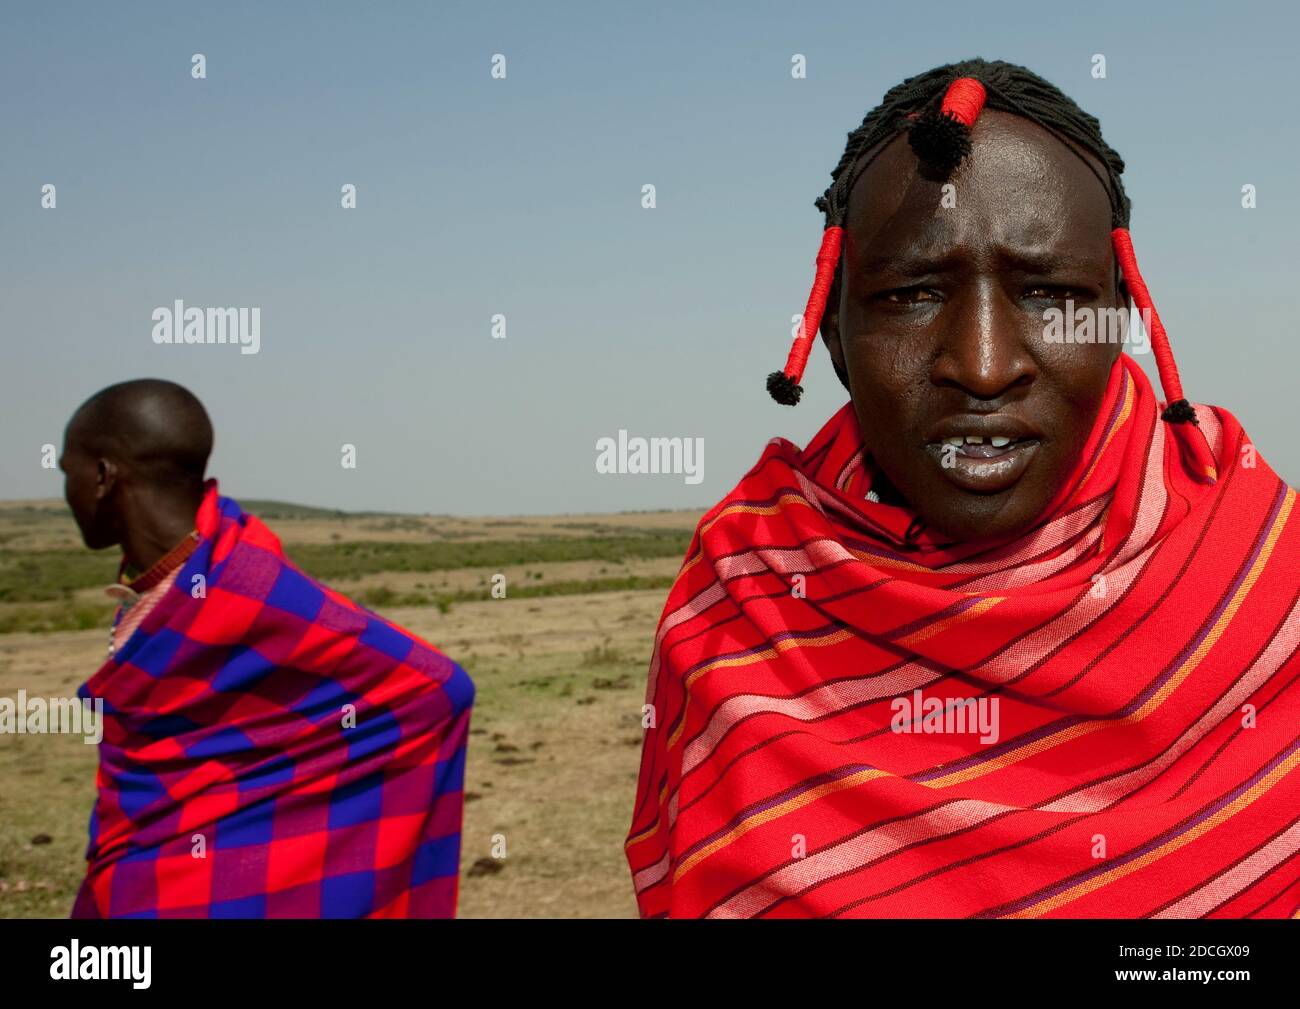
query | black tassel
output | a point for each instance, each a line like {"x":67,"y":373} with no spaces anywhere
{"x":940,"y":140}
{"x":782,"y":388}
{"x":1180,"y":412}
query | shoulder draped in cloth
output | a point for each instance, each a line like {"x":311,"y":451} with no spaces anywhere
{"x":1140,"y":644}
{"x":272,"y":749}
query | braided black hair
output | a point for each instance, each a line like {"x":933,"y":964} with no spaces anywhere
{"x":1010,"y":88}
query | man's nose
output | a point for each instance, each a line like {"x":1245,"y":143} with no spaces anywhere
{"x":984,"y":343}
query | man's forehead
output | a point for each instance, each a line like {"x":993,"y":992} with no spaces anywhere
{"x":1019,"y":185}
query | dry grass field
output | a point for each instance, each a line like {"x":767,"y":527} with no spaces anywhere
{"x":559,"y":667}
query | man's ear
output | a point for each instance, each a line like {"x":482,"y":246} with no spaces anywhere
{"x":830,"y":329}
{"x":105,"y":477}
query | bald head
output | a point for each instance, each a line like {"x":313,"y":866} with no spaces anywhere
{"x":156,"y":428}
{"x":132,"y":450}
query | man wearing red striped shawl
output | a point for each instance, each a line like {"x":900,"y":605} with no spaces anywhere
{"x":1011,"y":637}
{"x":271,"y":749}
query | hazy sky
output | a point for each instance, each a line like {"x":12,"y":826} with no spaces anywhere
{"x":522,"y":197}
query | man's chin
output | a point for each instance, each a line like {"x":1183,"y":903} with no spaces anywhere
{"x":966,"y":527}
{"x":962,"y":515}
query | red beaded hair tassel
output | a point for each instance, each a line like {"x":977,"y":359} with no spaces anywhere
{"x":1178,"y":412}
{"x":784,"y":385}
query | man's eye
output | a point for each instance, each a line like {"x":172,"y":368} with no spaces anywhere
{"x":1052,"y":292}
{"x":907,"y":295}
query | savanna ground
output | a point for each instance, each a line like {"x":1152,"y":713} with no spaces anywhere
{"x":559,"y":666}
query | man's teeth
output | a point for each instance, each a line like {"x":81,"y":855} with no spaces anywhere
{"x":997,"y":441}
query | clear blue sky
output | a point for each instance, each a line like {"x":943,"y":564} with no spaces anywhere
{"x":522,"y":196}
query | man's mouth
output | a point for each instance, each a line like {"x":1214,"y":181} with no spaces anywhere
{"x":984,"y":455}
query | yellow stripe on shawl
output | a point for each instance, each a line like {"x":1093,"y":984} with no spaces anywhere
{"x":767,"y":654}
{"x":925,"y":633}
{"x":740,"y":509}
{"x":650,"y":830}
{"x":1125,"y":410}
{"x":1156,"y":699}
{"x":749,"y":509}
{"x":766,"y":815}
{"x":1257,"y":790}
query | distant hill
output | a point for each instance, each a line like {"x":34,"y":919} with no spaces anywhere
{"x":288,"y":510}
{"x":268,"y":509}
{"x":265,"y":508}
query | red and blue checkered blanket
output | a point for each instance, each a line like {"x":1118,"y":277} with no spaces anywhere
{"x":272,"y":749}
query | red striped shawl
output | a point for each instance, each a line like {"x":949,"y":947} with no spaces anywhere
{"x":1139,"y":647}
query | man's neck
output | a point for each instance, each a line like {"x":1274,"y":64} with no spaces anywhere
{"x":158,"y":527}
